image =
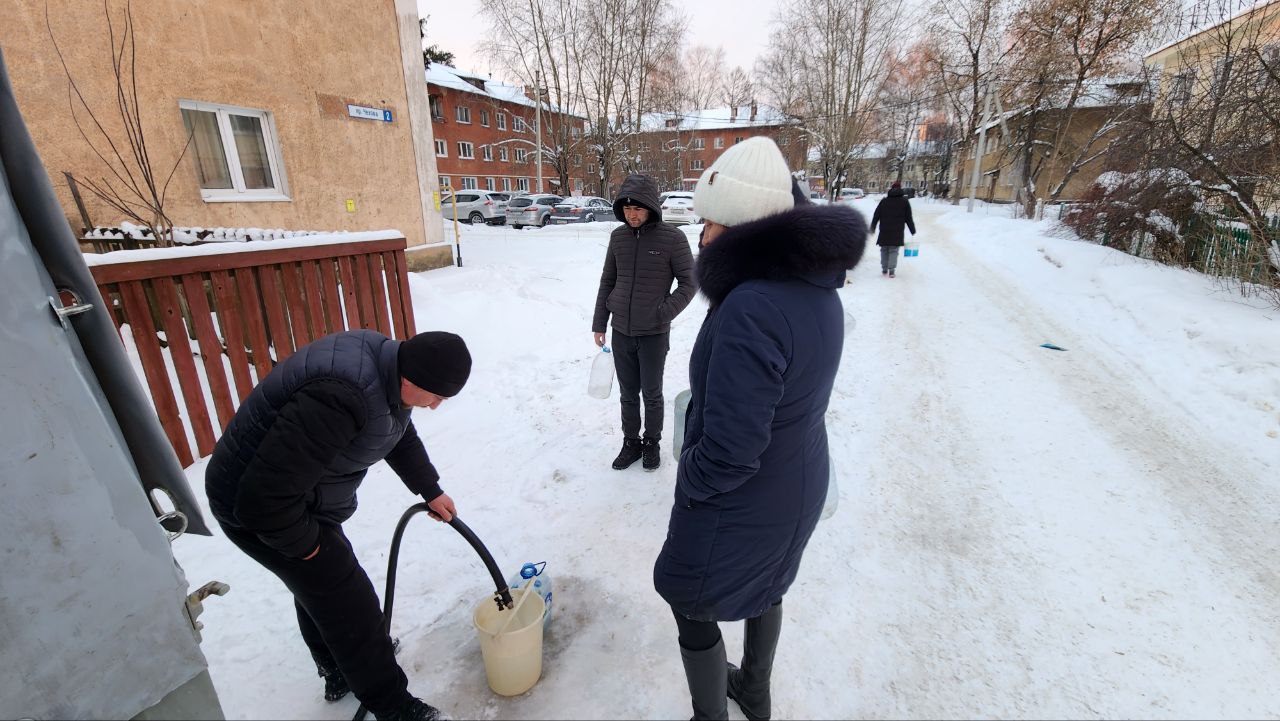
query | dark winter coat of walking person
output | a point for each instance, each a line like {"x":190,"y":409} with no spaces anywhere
{"x":893,"y":213}
{"x":284,"y":475}
{"x":753,"y":471}
{"x":644,"y":258}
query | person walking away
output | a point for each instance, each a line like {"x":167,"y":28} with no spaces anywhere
{"x":893,"y":212}
{"x":644,"y":257}
{"x":283,"y":478}
{"x":753,"y":472}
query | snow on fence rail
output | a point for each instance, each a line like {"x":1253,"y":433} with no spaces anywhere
{"x":247,"y":307}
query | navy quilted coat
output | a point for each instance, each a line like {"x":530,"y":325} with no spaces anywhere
{"x":301,"y":443}
{"x":753,"y":471}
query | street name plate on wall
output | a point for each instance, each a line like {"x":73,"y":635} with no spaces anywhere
{"x":360,"y":111}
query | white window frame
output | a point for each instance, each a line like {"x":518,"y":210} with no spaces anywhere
{"x":522,"y":155}
{"x":591,"y":168}
{"x":522,"y":184}
{"x":699,"y":144}
{"x":695,"y":164}
{"x":486,"y":152}
{"x":506,"y":185}
{"x":462,"y":114}
{"x":518,"y":125}
{"x":469,"y":183}
{"x":442,"y":148}
{"x":502,"y":120}
{"x":577,"y":161}
{"x":237,"y":193}
{"x":484,"y":118}
{"x":717,"y":143}
{"x":466,"y":151}
{"x":503,"y":155}
{"x":488,"y":184}
{"x":446,"y":183}
{"x":575,"y":133}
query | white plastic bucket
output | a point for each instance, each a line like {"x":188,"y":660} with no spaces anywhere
{"x":511,"y":647}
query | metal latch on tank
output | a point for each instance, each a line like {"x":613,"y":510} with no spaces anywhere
{"x":66,"y":305}
{"x":195,"y":602}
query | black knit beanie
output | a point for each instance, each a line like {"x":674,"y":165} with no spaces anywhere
{"x":435,"y":361}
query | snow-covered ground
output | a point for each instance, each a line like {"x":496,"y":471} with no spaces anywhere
{"x":1022,"y":532}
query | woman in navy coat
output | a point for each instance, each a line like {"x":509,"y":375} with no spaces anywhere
{"x":753,"y":471}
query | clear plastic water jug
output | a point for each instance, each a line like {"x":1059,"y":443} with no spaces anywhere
{"x":681,"y":407}
{"x":601,"y":383}
{"x":536,"y":574}
{"x":833,"y":491}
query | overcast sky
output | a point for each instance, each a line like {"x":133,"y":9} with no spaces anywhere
{"x":741,"y":27}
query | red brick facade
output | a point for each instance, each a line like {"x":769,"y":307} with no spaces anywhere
{"x":677,"y":158}
{"x":475,"y":131}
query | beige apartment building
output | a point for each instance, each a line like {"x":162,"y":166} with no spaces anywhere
{"x":301,"y":116}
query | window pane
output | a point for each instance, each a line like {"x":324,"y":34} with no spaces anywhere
{"x":251,"y":148}
{"x":206,"y":142}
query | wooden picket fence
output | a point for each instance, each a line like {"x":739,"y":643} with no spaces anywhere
{"x":246,"y":311}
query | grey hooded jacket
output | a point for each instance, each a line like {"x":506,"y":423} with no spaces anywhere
{"x":639,"y":266}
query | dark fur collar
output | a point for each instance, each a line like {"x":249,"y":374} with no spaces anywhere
{"x":810,"y":241}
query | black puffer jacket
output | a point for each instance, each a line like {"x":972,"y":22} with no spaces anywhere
{"x":300,"y":444}
{"x":892,"y":213}
{"x":635,"y":286}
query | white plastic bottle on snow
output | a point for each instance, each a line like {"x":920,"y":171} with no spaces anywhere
{"x":601,"y":382}
{"x":533,"y":573}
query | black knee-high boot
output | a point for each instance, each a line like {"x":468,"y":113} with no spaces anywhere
{"x":749,"y":685}
{"x":708,"y":682}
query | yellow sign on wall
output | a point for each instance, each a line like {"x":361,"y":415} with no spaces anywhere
{"x":436,"y":197}
{"x":351,"y":206}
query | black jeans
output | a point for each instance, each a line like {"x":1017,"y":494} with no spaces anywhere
{"x":338,"y":614}
{"x":640,"y":362}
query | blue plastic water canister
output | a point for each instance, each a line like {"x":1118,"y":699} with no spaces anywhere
{"x":535,"y":573}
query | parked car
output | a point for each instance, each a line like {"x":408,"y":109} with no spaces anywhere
{"x":847,"y":194}
{"x":586,"y":209}
{"x":909,"y":192}
{"x":525,"y":210}
{"x":476,"y":206}
{"x":818,"y":198}
{"x":677,"y":207}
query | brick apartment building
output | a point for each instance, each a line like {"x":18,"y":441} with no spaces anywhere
{"x":676,"y":148}
{"x":339,"y":142}
{"x":484,"y":135}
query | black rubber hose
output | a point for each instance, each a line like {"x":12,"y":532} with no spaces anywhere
{"x":393,"y":561}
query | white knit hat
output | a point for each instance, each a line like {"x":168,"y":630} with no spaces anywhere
{"x":748,"y":182}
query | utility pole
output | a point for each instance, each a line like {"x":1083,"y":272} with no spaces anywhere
{"x":537,"y":123}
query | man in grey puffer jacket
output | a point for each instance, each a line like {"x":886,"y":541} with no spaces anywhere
{"x":645,"y":255}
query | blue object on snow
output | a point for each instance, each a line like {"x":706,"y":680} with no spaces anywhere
{"x":1051,"y":346}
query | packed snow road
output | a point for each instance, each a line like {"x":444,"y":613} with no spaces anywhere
{"x":1022,"y":532}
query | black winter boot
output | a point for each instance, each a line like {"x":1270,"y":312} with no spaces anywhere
{"x":651,"y":453}
{"x":629,"y":454}
{"x":335,"y":684}
{"x":708,"y":682}
{"x":749,"y":685}
{"x":414,"y":710}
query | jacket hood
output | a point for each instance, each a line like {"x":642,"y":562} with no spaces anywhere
{"x":639,"y":190}
{"x":895,"y":193}
{"x":815,"y":243}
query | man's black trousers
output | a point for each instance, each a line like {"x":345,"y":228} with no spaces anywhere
{"x":338,"y":614}
{"x":640,"y":362}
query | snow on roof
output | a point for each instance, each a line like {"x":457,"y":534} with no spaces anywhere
{"x":448,"y":77}
{"x":1259,"y":5}
{"x":717,"y":119}
{"x":915,"y":148}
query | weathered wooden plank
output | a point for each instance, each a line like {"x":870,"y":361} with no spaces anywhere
{"x":277,"y":324}
{"x":295,"y":303}
{"x":346,"y":270}
{"x":402,"y":275}
{"x":232,"y":318}
{"x":378,"y":291}
{"x":210,"y":348}
{"x":393,"y":294}
{"x":315,"y":306}
{"x":138,"y":314}
{"x":251,"y":307}
{"x":117,"y":272}
{"x":175,"y":330}
{"x":335,"y":322}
